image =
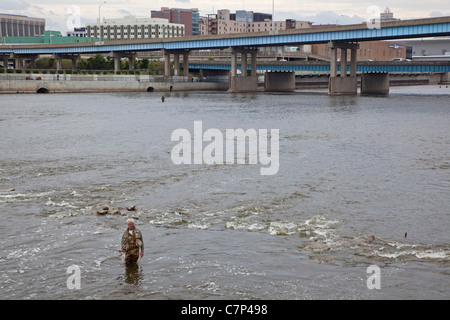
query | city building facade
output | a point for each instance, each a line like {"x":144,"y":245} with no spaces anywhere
{"x":20,"y":26}
{"x":188,"y":17}
{"x":225,"y":22}
{"x":133,"y":28}
{"x":436,"y":48}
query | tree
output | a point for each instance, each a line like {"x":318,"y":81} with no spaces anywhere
{"x":96,"y":62}
{"x":45,"y":63}
{"x":144,"y":64}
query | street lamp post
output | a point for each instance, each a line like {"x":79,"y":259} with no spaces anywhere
{"x":99,"y":16}
{"x":273,"y":15}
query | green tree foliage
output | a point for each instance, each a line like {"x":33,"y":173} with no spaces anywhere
{"x":101,"y":63}
{"x":156,"y":67}
{"x":45,"y":63}
{"x":97,"y":62}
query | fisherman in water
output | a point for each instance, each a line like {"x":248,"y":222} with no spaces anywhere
{"x":131,"y":242}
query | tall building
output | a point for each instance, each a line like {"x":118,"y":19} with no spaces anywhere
{"x":243,"y":21}
{"x":132,"y":28}
{"x":249,"y":16}
{"x":387,"y":15}
{"x":20,"y":26}
{"x":188,"y":17}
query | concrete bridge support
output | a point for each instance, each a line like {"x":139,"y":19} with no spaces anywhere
{"x":6,"y":57}
{"x":345,"y":84}
{"x":185,"y":64}
{"x":59,"y":57}
{"x":445,"y":78}
{"x":21,"y":60}
{"x":176,"y":62}
{"x":119,"y":55}
{"x":279,"y":81}
{"x":16,"y":61}
{"x":245,"y":82}
{"x":5,"y":63}
{"x":375,"y":83}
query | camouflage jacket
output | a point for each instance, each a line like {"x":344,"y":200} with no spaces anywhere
{"x":139,"y":239}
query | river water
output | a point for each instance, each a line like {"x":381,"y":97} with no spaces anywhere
{"x":362,"y":181}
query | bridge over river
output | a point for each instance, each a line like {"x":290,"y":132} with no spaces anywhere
{"x":340,"y":39}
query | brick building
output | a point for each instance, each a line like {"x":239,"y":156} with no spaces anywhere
{"x":225,"y":22}
{"x":188,"y":17}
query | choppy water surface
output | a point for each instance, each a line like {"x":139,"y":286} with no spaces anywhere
{"x":356,"y":174}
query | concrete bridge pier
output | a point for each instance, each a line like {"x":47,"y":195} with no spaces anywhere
{"x":58,"y":57}
{"x":245,"y":82}
{"x":345,"y":84}
{"x":186,"y":64}
{"x":279,"y":81}
{"x":375,"y":83}
{"x":16,"y":60}
{"x":5,"y":63}
{"x":445,"y":78}
{"x":116,"y":57}
{"x":176,"y":62}
{"x":5,"y":58}
{"x":21,"y":60}
{"x":119,"y":55}
{"x":176,"y":65}
{"x":131,"y":58}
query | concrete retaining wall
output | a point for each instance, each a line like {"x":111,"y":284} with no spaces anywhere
{"x":243,"y":84}
{"x":375,"y":83}
{"x":16,"y":83}
{"x":322,"y":80}
{"x":279,"y":81}
{"x":342,"y":85}
{"x":133,"y":84}
{"x":445,"y":78}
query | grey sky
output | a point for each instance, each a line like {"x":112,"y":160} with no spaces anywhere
{"x":58,"y":12}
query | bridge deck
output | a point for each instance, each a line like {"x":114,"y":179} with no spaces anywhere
{"x":323,"y":66}
{"x":350,"y":33}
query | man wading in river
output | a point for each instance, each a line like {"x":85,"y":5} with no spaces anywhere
{"x":131,"y":242}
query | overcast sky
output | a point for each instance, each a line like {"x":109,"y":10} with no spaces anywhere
{"x":61,"y":14}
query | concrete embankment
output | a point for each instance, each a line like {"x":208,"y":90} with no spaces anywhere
{"x":51,"y":83}
{"x":405,"y":79}
{"x":40,"y":83}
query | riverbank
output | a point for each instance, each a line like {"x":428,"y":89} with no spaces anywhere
{"x":308,"y":81}
{"x":45,"y":83}
{"x":96,"y":83}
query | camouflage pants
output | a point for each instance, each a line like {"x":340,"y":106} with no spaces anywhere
{"x":132,"y":256}
{"x":132,"y":253}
